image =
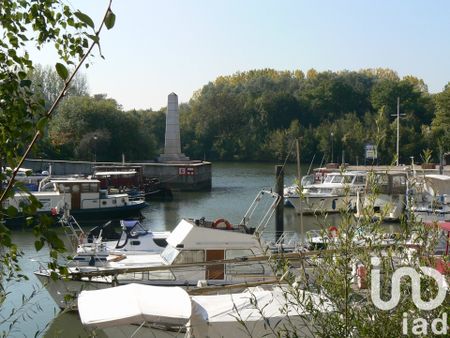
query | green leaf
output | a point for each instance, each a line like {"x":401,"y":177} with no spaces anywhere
{"x":38,"y":245}
{"x":42,"y":123}
{"x":93,"y":38}
{"x":25,"y":83}
{"x":11,"y":211}
{"x":110,"y":19}
{"x":85,"y":18}
{"x":62,"y":71}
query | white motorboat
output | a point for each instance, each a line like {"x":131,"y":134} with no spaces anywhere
{"x":338,"y":191}
{"x":91,"y":248}
{"x":194,"y":253}
{"x":292,"y":191}
{"x":133,"y":309}
{"x":431,"y":198}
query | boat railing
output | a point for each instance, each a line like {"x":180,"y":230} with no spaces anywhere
{"x":72,"y":229}
{"x":265,"y":218}
{"x":287,"y":239}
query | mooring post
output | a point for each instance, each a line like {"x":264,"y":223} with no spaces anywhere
{"x":279,"y":214}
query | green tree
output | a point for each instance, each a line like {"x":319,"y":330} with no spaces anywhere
{"x":440,"y":126}
{"x":26,"y":24}
{"x":47,"y":84}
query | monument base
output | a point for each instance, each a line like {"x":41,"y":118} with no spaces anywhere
{"x":173,"y":158}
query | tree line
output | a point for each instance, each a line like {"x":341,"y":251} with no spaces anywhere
{"x":256,"y":115}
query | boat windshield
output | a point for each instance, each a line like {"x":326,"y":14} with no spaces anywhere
{"x":307,"y":180}
{"x":334,"y":179}
{"x":169,"y":254}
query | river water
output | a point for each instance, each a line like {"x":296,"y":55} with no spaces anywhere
{"x":234,"y":187}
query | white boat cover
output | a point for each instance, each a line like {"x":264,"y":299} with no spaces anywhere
{"x":237,"y":315}
{"x":134,"y":304}
{"x":437,"y":184}
{"x":255,"y":313}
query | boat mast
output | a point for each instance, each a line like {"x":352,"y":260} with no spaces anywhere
{"x":398,"y":131}
{"x":299,"y":177}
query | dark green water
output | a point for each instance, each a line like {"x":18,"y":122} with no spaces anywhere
{"x":235,"y":185}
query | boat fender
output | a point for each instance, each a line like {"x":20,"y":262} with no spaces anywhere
{"x":333,"y":231}
{"x":222,"y":220}
{"x":81,"y":238}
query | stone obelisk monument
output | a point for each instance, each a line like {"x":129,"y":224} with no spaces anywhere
{"x":172,"y":145}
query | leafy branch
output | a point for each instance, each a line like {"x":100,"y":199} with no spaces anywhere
{"x":108,"y":21}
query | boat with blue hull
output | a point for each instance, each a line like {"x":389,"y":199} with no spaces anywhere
{"x":83,"y":197}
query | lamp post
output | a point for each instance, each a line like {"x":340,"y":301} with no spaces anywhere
{"x":95,"y":148}
{"x":332,"y":147}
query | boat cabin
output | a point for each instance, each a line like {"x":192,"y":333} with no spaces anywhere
{"x":387,"y":183}
{"x":84,"y":194}
{"x":336,"y":183}
{"x":189,"y":243}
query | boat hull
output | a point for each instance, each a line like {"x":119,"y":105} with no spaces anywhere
{"x":323,"y":204}
{"x":83,"y":215}
{"x":65,"y":291}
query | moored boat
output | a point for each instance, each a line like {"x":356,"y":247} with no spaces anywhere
{"x":83,"y":197}
{"x":385,"y":195}
{"x":431,"y":198}
{"x":338,"y":191}
{"x":218,"y":256}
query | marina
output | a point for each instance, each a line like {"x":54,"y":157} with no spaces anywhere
{"x":235,"y":186}
{"x":271,"y":182}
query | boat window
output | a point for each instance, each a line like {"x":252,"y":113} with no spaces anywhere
{"x":348,"y":179}
{"x":244,"y":268}
{"x":378,"y":184}
{"x":135,"y":242}
{"x":161,"y":275}
{"x":328,"y":178}
{"x":85,"y":187}
{"x":190,"y":256}
{"x":442,"y":245}
{"x":360,"y":180}
{"x":307,"y":180}
{"x":143,"y":276}
{"x":75,"y":188}
{"x":169,"y":254}
{"x":398,"y":184}
{"x":381,"y":179}
{"x":64,"y":188}
{"x":337,"y":179}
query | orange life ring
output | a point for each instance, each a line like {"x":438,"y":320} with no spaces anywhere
{"x":222,"y":220}
{"x":333,"y":231}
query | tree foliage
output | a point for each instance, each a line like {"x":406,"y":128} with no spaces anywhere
{"x":245,"y":115}
{"x":250,"y":116}
{"x":80,"y":119}
{"x":25,"y":110}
